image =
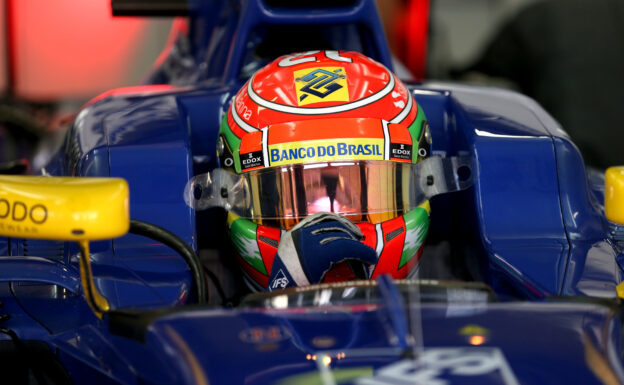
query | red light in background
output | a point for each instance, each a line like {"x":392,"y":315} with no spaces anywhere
{"x":418,"y":22}
{"x":72,"y":48}
{"x":3,"y":61}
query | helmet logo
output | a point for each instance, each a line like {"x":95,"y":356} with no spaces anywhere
{"x":279,"y":282}
{"x":326,"y":150}
{"x":321,"y":84}
{"x":401,"y":151}
{"x":252,"y":160}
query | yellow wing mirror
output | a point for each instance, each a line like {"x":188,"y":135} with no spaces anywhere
{"x":614,"y":195}
{"x":66,"y":209}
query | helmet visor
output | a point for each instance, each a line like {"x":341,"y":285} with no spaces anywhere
{"x":371,"y":190}
{"x":366,"y":189}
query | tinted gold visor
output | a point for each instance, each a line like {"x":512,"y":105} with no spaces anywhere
{"x":371,"y":191}
{"x":363,"y":191}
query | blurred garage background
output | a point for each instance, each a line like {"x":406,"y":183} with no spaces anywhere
{"x":567,"y":54}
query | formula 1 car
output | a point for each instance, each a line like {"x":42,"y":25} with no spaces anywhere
{"x":101,"y":281}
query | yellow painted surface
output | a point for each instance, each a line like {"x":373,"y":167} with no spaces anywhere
{"x":620,"y":290}
{"x":98,"y":304}
{"x":321,"y":84}
{"x":614,"y":194}
{"x":63,"y":208}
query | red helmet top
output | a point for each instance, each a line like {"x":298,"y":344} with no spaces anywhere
{"x":318,"y":85}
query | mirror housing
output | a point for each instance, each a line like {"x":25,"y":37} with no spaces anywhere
{"x":614,"y":195}
{"x":66,"y":209}
{"x":63,"y":208}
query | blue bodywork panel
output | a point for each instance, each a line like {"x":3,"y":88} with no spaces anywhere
{"x":532,"y":227}
{"x":557,"y":341}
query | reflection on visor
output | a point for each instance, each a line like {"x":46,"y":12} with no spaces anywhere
{"x":361,"y":188}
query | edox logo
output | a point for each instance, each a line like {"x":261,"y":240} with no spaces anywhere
{"x":321,"y":84}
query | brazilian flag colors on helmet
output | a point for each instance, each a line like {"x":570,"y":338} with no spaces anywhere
{"x":319,"y":85}
{"x":325,"y":131}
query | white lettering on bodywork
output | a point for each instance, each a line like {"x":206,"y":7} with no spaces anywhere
{"x":437,"y":366}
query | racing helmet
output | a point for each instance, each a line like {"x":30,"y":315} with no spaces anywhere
{"x":325,"y":131}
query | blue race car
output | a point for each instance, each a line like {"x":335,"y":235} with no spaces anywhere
{"x":518,"y":281}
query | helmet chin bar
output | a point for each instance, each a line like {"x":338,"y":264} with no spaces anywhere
{"x":432,"y":176}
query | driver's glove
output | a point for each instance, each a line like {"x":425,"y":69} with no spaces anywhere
{"x":308,"y":250}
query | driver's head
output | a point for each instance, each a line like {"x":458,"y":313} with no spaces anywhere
{"x":326,"y":131}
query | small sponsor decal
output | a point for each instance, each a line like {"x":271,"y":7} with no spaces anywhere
{"x":323,"y":342}
{"x":264,"y":334}
{"x":401,"y":151}
{"x":326,"y":150}
{"x":279,"y":282}
{"x":242,"y":109}
{"x":251,"y":160}
{"x":321,"y":84}
{"x":18,"y":229}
